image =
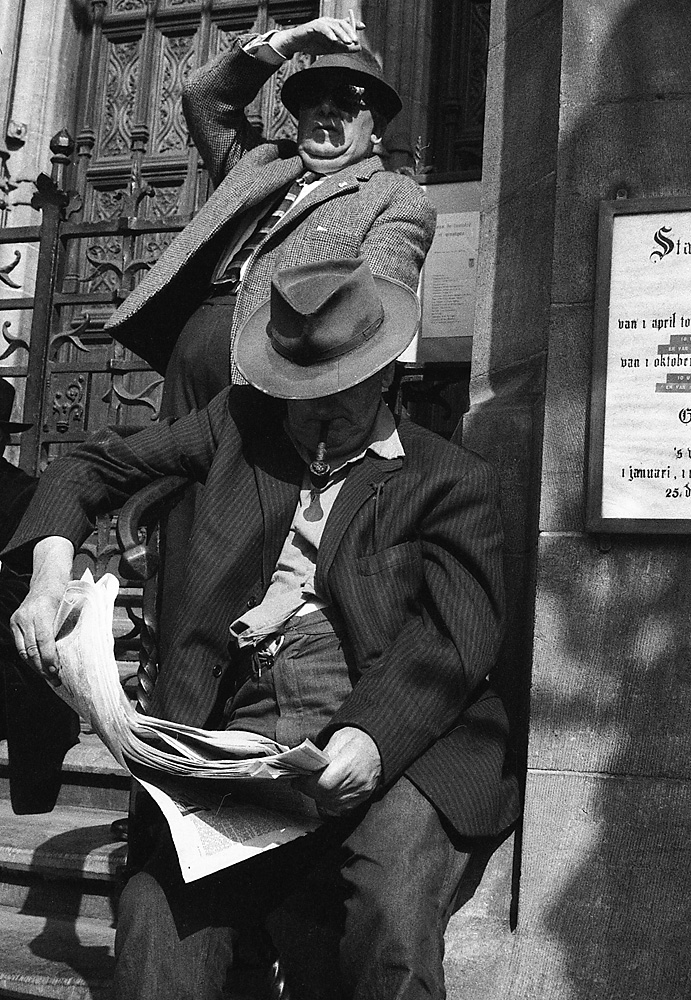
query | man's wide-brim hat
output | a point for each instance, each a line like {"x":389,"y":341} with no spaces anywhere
{"x":362,"y":69}
{"x":6,"y":404}
{"x":327,"y":326}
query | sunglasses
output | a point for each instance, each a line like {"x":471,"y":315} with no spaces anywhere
{"x":347,"y":96}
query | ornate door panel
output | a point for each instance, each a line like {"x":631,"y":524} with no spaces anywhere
{"x":140,"y":179}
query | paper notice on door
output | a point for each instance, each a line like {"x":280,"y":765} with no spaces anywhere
{"x":448,"y":291}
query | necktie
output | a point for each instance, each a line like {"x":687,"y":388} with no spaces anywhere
{"x":227,"y":275}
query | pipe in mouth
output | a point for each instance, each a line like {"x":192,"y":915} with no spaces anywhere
{"x":320,"y":468}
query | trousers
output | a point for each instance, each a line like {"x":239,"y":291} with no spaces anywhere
{"x":357,"y":909}
{"x":308,"y":682}
{"x":199,"y":368}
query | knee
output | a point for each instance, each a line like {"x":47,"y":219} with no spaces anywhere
{"x":139,"y":911}
{"x":381,"y":914}
{"x":164,"y":946}
{"x":392,"y":945}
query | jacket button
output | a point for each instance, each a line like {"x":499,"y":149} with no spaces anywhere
{"x":217,"y":670}
{"x":251,"y":602}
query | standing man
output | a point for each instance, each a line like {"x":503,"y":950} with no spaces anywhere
{"x":356,"y":567}
{"x":219,"y":269}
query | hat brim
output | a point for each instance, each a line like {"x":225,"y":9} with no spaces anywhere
{"x":386,"y":98}
{"x":14,"y":428}
{"x":270,"y":372}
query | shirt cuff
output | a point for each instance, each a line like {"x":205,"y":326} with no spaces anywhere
{"x":264,"y":50}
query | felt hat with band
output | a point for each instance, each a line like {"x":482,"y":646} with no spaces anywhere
{"x":6,"y":404}
{"x":360,"y":67}
{"x":328,"y":326}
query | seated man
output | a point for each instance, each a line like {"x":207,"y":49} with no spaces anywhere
{"x":355,"y":566}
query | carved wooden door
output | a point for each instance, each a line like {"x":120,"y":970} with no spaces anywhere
{"x":139,"y":180}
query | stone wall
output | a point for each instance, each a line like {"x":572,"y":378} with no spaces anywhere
{"x":585,"y":99}
{"x":39,"y":67}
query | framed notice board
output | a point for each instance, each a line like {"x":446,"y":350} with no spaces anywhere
{"x":639,"y":462}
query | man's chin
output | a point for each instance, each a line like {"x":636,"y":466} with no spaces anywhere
{"x":326,"y":159}
{"x":322,"y":150}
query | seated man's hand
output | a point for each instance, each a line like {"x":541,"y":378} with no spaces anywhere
{"x":350,"y":778}
{"x":32,"y":623}
{"x":321,"y":36}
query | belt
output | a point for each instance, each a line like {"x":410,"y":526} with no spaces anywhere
{"x":257,"y":659}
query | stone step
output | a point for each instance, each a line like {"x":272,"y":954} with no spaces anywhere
{"x":73,"y":959}
{"x":67,"y":956}
{"x":66,"y":842}
{"x":63,"y":958}
{"x":63,"y":862}
{"x":91,"y":777}
{"x":43,"y":897}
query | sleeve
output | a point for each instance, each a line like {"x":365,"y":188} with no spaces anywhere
{"x":213,"y":100}
{"x":16,"y":490}
{"x":418,"y":688}
{"x":262,"y":47}
{"x":397,"y":244}
{"x":103,"y":472}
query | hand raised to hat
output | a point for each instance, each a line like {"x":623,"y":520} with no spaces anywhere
{"x":322,"y":36}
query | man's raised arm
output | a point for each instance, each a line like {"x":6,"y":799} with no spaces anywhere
{"x":215,"y":96}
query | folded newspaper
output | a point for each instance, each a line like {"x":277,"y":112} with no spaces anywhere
{"x":213,"y":787}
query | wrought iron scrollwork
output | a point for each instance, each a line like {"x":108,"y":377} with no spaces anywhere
{"x":103,"y":268}
{"x":145,"y":398}
{"x":14,"y":343}
{"x":6,"y":268}
{"x":70,"y":336}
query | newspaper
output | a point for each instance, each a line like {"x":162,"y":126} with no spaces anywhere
{"x":218,"y":790}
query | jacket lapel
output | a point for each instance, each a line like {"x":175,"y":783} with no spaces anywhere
{"x":361,"y":483}
{"x":332,"y":186}
{"x":255,"y":179}
{"x":278,"y":471}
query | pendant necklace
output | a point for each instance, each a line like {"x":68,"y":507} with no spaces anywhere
{"x":319,"y":470}
{"x":314,"y":512}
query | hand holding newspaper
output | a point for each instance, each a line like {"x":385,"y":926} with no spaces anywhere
{"x":169,"y":759}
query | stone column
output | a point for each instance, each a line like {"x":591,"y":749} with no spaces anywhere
{"x":44,"y":93}
{"x":584,"y":99}
{"x":41,"y":40}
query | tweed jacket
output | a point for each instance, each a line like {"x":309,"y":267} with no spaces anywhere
{"x":410,"y":556}
{"x":360,"y":211}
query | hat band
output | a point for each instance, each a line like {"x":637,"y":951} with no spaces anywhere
{"x":307,"y":357}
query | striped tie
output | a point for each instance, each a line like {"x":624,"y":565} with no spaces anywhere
{"x":227,"y":273}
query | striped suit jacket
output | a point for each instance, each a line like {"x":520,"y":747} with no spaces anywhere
{"x":360,"y":211}
{"x":410,"y":556}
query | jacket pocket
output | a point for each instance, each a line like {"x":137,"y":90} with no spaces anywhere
{"x":388,"y":585}
{"x":404,"y":557}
